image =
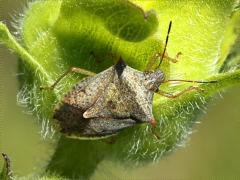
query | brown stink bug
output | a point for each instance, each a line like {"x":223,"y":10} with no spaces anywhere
{"x":103,"y":104}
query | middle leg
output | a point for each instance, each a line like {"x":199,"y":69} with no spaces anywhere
{"x":70,"y":70}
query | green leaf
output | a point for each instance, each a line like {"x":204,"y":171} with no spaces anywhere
{"x":56,"y":35}
{"x":231,"y":51}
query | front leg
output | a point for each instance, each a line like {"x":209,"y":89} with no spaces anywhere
{"x":172,"y":96}
{"x":153,"y":61}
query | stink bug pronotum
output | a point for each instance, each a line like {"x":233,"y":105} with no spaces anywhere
{"x":103,"y":104}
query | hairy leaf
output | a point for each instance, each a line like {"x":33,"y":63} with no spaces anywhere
{"x":56,"y":35}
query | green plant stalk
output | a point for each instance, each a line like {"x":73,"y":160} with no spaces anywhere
{"x":7,"y":38}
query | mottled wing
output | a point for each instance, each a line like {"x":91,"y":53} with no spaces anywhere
{"x":74,"y":125}
{"x":110,"y":105}
{"x":86,"y":92}
{"x":69,"y":113}
{"x":125,"y":97}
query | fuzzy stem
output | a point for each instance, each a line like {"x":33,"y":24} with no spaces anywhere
{"x":9,"y":40}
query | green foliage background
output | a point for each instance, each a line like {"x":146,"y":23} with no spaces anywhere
{"x":55,"y":35}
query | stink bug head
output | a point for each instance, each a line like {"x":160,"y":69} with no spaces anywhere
{"x":153,"y":80}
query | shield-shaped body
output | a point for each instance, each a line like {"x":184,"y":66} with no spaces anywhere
{"x":106,"y":103}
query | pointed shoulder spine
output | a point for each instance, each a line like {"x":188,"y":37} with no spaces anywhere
{"x":120,"y":66}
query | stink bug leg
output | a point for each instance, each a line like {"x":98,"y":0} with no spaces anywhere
{"x":153,"y":123}
{"x":155,"y":134}
{"x":170,"y":95}
{"x":190,"y":88}
{"x":70,"y":70}
{"x":153,"y":79}
{"x":154,"y":59}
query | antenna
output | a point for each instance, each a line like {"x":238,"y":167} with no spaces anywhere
{"x":190,"y":81}
{"x":165,"y":47}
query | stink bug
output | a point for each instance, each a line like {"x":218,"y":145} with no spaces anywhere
{"x":103,"y":104}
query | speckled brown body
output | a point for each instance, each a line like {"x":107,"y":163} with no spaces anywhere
{"x":114,"y":99}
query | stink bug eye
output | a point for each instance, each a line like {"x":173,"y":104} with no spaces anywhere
{"x":153,"y":80}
